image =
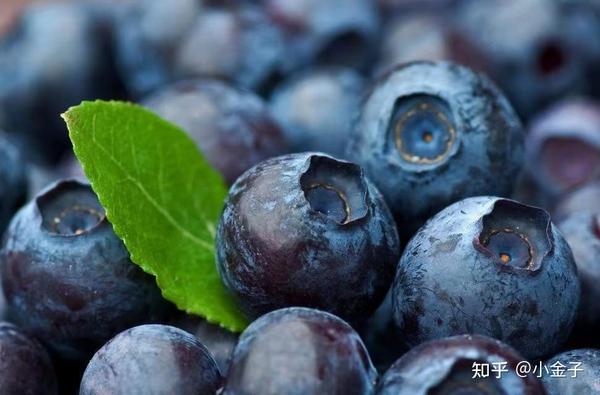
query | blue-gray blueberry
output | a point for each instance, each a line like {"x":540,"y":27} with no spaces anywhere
{"x":67,"y":277}
{"x":489,"y":266}
{"x":307,"y":230}
{"x":432,"y":133}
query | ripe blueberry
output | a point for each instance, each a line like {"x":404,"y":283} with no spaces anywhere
{"x":433,"y":133}
{"x":563,"y":147}
{"x":232,"y":127}
{"x":307,"y":230}
{"x":585,"y":381}
{"x":152,"y":359}
{"x":488,"y":266}
{"x":316,"y":108}
{"x":25,"y":367}
{"x":68,"y":278}
{"x":448,"y":366}
{"x":300,"y":351}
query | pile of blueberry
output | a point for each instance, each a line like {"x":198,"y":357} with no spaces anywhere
{"x":414,"y":203}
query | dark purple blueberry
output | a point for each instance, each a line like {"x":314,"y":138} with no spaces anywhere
{"x":56,"y":55}
{"x":152,"y":359}
{"x":13,"y":180}
{"x":333,"y":32}
{"x":488,"y":266}
{"x":25,"y":366}
{"x":536,"y":50}
{"x":316,"y":108}
{"x":448,"y":367}
{"x":67,"y":277}
{"x":307,"y":230}
{"x":300,"y":351}
{"x":584,"y":199}
{"x":563,"y":146}
{"x":431,"y":133}
{"x":232,"y":127}
{"x":575,"y":372}
{"x":582,"y":232}
{"x":220,"y":342}
{"x":233,"y":42}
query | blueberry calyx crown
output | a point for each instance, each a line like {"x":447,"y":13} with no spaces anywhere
{"x":515,"y":236}
{"x":423,"y":129}
{"x":69,"y":208}
{"x":335,"y":189}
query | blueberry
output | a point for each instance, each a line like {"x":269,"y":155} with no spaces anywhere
{"x":13,"y":180}
{"x":536,"y":50}
{"x":152,"y":359}
{"x":584,"y":199}
{"x":232,"y":127}
{"x":53,"y":58}
{"x":300,"y":351}
{"x":68,"y":278}
{"x":431,"y":133}
{"x":333,"y":32}
{"x":488,"y":266}
{"x":307,"y":230}
{"x":563,"y":147}
{"x":447,"y":366}
{"x":25,"y":367}
{"x":220,"y":342}
{"x":582,"y":232}
{"x":233,"y":42}
{"x":316,"y":108}
{"x":586,"y":380}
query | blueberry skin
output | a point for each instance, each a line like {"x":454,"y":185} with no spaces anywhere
{"x":296,"y":227}
{"x":152,"y":359}
{"x":229,"y":41}
{"x":13,"y":180}
{"x":333,"y":32}
{"x":489,"y":266}
{"x":25,"y":366}
{"x":445,"y":366}
{"x":219,"y":341}
{"x":549,"y":54}
{"x":232,"y":127}
{"x":563,"y":147}
{"x":300,"y":351}
{"x":582,"y":232}
{"x":586,"y":382}
{"x":67,"y":277}
{"x":316,"y":108}
{"x":466,"y":142}
{"x":55,"y":56}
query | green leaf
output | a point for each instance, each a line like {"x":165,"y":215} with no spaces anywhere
{"x":162,"y":198}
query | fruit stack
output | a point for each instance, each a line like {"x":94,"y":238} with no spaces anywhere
{"x":296,"y":197}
